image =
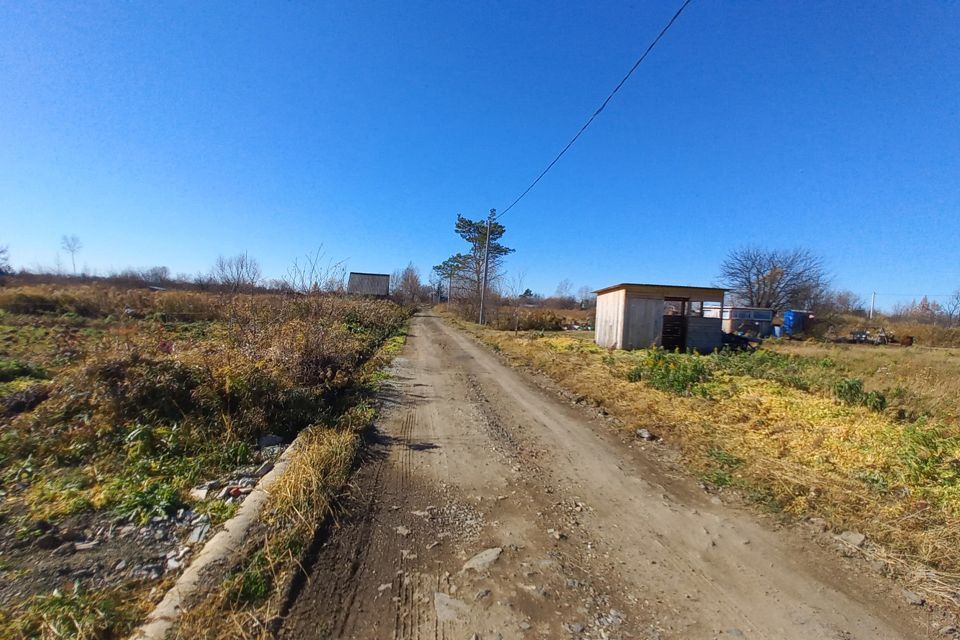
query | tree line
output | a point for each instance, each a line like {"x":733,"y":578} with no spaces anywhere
{"x":754,"y":276}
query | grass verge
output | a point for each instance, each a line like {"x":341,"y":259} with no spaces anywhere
{"x":249,"y":602}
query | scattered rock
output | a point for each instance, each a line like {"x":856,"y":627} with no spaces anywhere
{"x":612,"y":619}
{"x":819,"y":524}
{"x":645,"y":435}
{"x":173,"y":564}
{"x":483,"y":593}
{"x":449,"y":609}
{"x":85,"y":546}
{"x":524,"y":626}
{"x":483,"y":560}
{"x":199,"y":493}
{"x":433,"y":544}
{"x":384,"y":587}
{"x":151,"y":571}
{"x":912,"y":597}
{"x":573,"y":628}
{"x":853,"y":538}
{"x":402,"y":530}
{"x":198,"y":533}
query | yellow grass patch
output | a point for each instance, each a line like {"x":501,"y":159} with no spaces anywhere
{"x":797,"y":451}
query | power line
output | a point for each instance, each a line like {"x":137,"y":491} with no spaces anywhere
{"x":602,"y":106}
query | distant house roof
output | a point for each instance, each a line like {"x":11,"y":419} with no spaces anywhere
{"x":368,"y":284}
{"x":707,"y":294}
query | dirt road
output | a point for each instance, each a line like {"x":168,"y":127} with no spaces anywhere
{"x":490,"y":508}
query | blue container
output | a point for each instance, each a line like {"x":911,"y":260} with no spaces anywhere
{"x":794,"y":321}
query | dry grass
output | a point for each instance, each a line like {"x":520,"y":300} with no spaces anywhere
{"x":249,"y":602}
{"x":923,"y":381}
{"x":791,"y":449}
{"x":251,"y":597}
{"x":118,"y":402}
{"x":924,"y":334}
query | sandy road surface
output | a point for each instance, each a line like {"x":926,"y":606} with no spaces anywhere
{"x":489,"y":508}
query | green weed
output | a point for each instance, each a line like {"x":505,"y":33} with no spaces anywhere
{"x":680,"y":373}
{"x":13,"y":369}
{"x":75,"y":613}
{"x":850,"y":391}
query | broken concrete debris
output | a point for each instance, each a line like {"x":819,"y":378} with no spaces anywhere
{"x":482,"y":560}
{"x":853,"y":538}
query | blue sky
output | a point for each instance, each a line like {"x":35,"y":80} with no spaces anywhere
{"x":168,"y":133}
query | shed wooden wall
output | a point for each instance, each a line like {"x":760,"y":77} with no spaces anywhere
{"x":704,"y":334}
{"x":632,"y":320}
{"x":643,"y":322}
{"x":609,"y":321}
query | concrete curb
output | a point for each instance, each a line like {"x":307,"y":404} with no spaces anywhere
{"x":219,"y":547}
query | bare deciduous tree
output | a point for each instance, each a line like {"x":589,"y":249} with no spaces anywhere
{"x":518,"y":294}
{"x":405,"y":285}
{"x":240,"y":272}
{"x":5,"y":261}
{"x":774,"y":279}
{"x":952,"y":307}
{"x":72,"y":245}
{"x":585,"y":297}
{"x":315,"y":273}
{"x":156,"y":275}
{"x":203,"y":281}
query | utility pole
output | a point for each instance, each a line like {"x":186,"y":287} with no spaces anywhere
{"x":486,"y":262}
{"x":873,"y":303}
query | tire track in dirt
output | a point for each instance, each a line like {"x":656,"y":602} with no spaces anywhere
{"x":593,"y":542}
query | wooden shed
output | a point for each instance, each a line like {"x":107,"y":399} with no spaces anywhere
{"x":632,"y":316}
{"x":375,"y":285}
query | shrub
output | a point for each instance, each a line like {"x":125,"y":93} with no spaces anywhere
{"x":138,"y":388}
{"x":793,"y":371}
{"x":850,"y":391}
{"x":680,"y":373}
{"x":526,"y":320}
{"x":13,"y":369}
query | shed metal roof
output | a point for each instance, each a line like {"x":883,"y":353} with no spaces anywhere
{"x":706,"y":294}
{"x":368,"y":284}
